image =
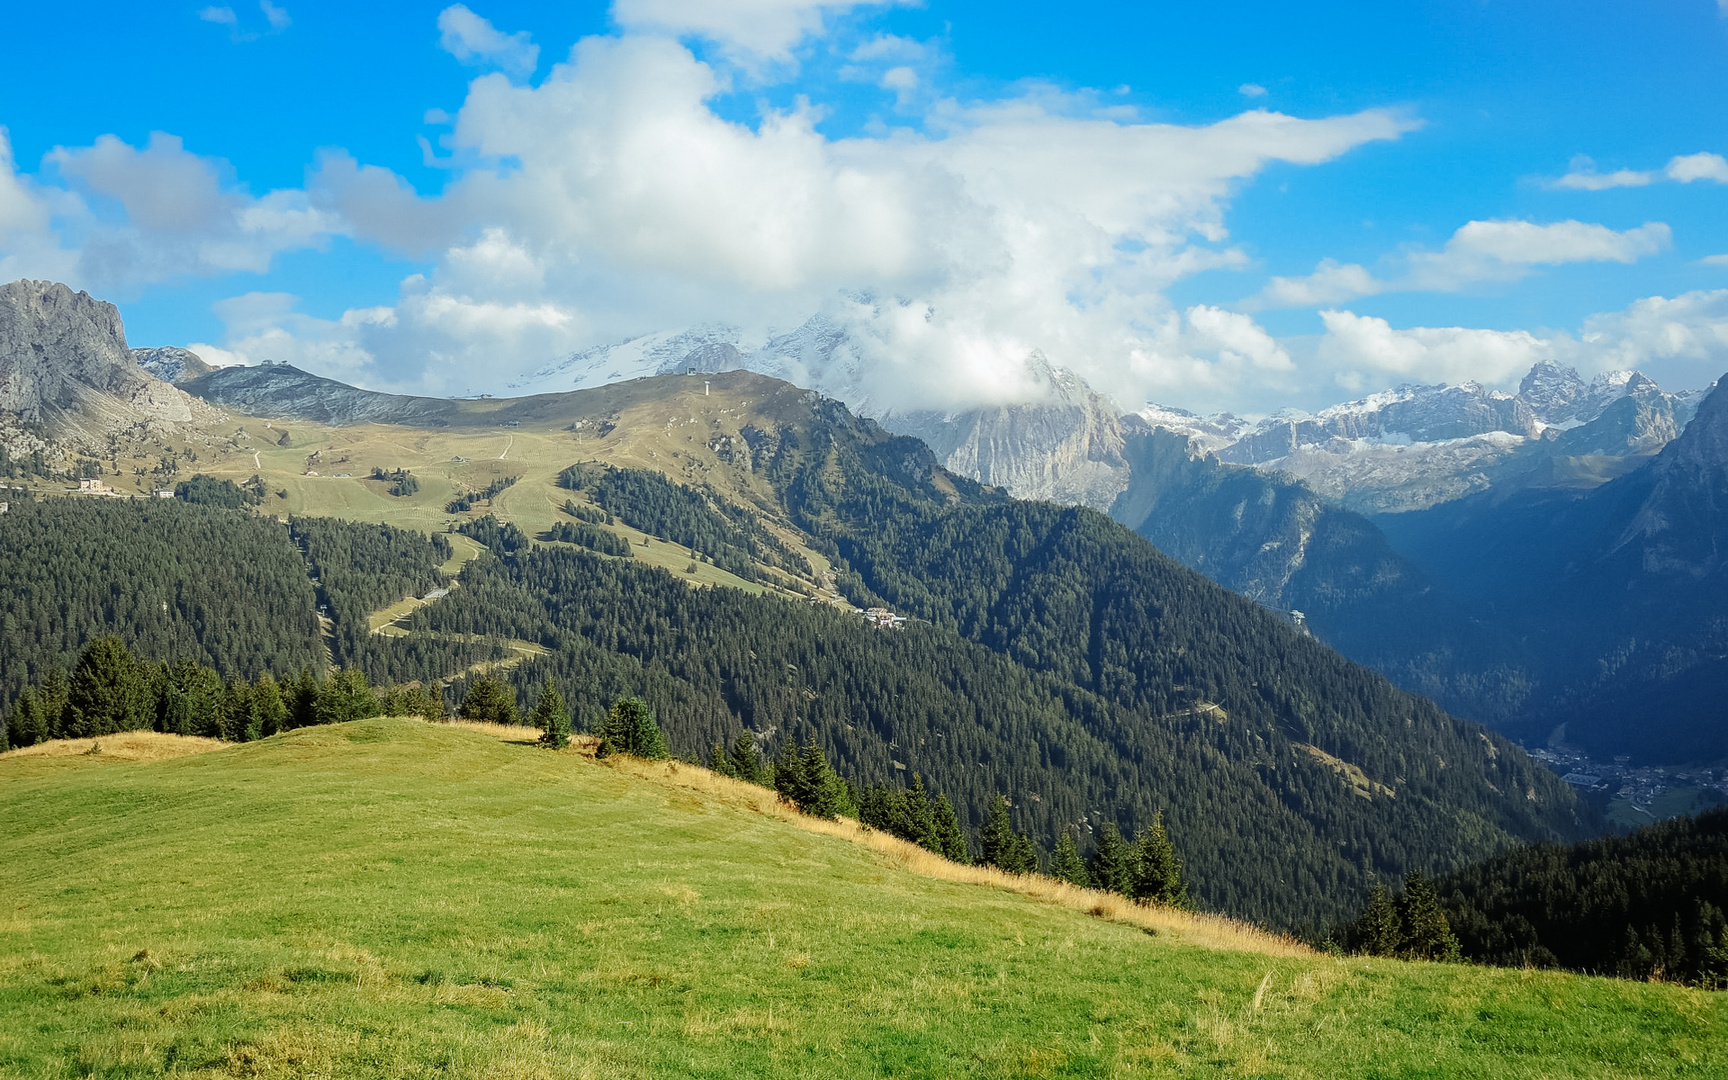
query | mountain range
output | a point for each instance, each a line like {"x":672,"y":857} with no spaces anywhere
{"x":1399,"y":528}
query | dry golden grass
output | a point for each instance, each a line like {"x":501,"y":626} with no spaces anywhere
{"x":124,"y":746}
{"x":1209,"y":931}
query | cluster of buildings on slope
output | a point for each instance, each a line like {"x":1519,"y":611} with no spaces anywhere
{"x":90,"y":485}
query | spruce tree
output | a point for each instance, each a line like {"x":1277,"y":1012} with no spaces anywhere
{"x":745,"y":762}
{"x":302,"y":700}
{"x":950,"y":840}
{"x":1112,"y":864}
{"x":107,"y":692}
{"x":27,"y":725}
{"x":920,"y":822}
{"x":51,"y":696}
{"x":629,"y":728}
{"x":1066,"y":864}
{"x":551,"y":718}
{"x":788,"y":774}
{"x":718,"y":762}
{"x":267,"y":704}
{"x":1158,"y":873}
{"x":1000,"y":846}
{"x":344,"y":697}
{"x":1427,"y":932}
{"x":239,"y":721}
{"x":1379,"y":931}
{"x":819,"y":791}
{"x":488,"y":700}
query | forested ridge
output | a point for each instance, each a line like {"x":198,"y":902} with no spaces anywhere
{"x":1648,"y":905}
{"x":175,"y":581}
{"x":1268,"y":831}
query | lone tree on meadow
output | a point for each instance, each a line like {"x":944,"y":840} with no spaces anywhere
{"x":629,"y":728}
{"x":551,"y":718}
{"x":489,"y":700}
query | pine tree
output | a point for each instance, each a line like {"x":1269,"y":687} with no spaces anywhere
{"x":107,"y":692}
{"x":27,"y":725}
{"x":1112,"y":864}
{"x":788,"y":773}
{"x":1067,"y":865}
{"x":239,"y":723}
{"x":950,"y":840}
{"x":489,"y":700}
{"x":551,"y":718}
{"x":718,"y":762}
{"x":1427,"y":933}
{"x":302,"y":700}
{"x":51,"y":696}
{"x":1379,"y":931}
{"x":1158,"y":873}
{"x":1000,"y":846}
{"x":267,"y":703}
{"x":745,"y":762}
{"x":629,"y":728}
{"x":920,"y":822}
{"x":344,"y":697}
{"x":819,"y":792}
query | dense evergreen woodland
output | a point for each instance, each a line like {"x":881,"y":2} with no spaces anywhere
{"x":1648,"y":905}
{"x":178,"y":582}
{"x":1266,"y":829}
{"x":1081,"y":702}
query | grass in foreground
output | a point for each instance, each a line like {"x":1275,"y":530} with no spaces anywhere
{"x":391,"y":898}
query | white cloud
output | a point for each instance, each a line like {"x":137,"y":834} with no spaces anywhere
{"x":1682,"y":169}
{"x":628,"y":205}
{"x":277,"y":17}
{"x":1698,"y":167}
{"x":140,"y":216}
{"x":751,"y":30}
{"x":1507,"y":250}
{"x":1355,"y":344}
{"x":1251,"y":90}
{"x":1331,"y":282}
{"x":473,"y":40}
{"x":1480,"y":251}
{"x":1681,"y":342}
{"x":1713,"y":260}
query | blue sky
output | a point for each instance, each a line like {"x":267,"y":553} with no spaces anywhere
{"x":1216,"y":206}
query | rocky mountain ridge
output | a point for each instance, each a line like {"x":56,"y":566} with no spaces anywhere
{"x":68,"y":380}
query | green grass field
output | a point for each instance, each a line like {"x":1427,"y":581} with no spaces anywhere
{"x":392,"y":898}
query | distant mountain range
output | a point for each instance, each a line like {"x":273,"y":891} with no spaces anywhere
{"x":1435,"y":533}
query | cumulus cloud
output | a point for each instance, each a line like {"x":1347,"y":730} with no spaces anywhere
{"x":1251,"y":90}
{"x":1683,"y":169}
{"x":138,"y":216}
{"x":473,"y":40}
{"x":751,"y":30}
{"x":613,"y":194}
{"x":1480,"y":251}
{"x":1681,"y":342}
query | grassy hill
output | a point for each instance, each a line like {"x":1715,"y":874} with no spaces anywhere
{"x":394,"y":898}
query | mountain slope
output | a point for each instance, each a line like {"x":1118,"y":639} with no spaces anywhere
{"x":1619,"y":590}
{"x":66,"y":372}
{"x":391,"y":898}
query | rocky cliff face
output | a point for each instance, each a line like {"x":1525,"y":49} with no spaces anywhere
{"x":65,"y":367}
{"x":171,"y":365}
{"x":1065,"y":449}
